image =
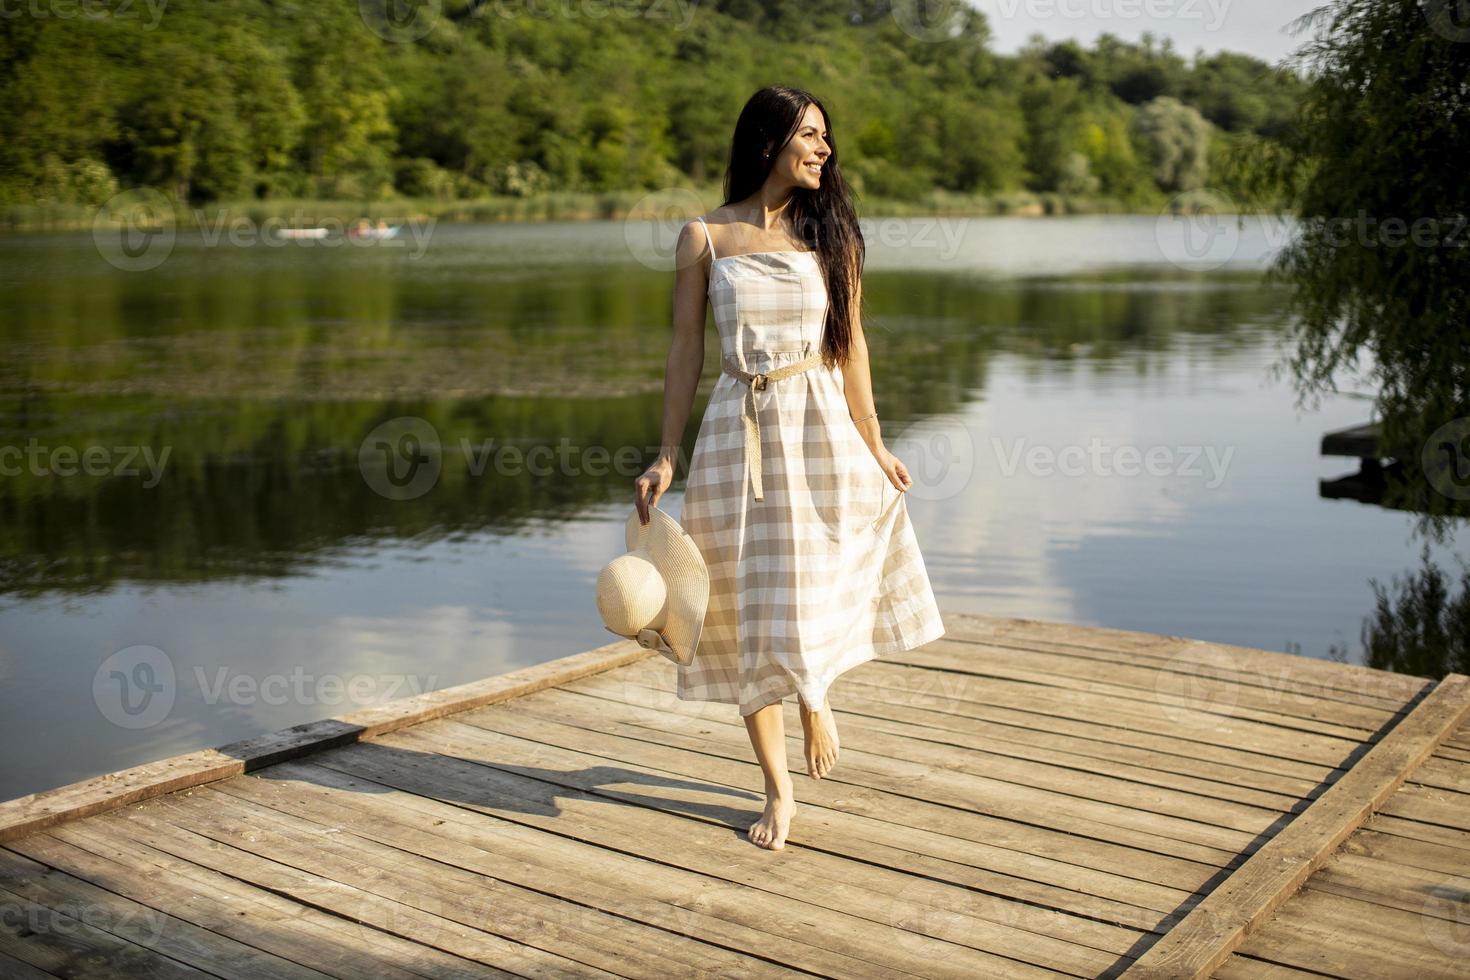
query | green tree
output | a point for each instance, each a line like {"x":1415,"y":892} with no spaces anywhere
{"x":184,"y":127}
{"x":1177,"y":138}
{"x":1380,"y":268}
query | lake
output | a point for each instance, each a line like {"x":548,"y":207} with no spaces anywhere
{"x":203,"y":539}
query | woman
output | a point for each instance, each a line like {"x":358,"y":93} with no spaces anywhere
{"x":792,"y":498}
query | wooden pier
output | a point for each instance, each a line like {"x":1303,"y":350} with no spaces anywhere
{"x":1017,"y":799}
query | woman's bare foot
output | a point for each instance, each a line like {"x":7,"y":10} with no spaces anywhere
{"x":820,"y":729}
{"x":770,"y":830}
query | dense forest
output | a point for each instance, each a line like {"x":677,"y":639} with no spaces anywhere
{"x":274,"y":99}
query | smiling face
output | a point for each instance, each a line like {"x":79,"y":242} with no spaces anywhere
{"x":803,"y":156}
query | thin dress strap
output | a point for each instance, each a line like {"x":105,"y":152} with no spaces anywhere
{"x":708,"y":239}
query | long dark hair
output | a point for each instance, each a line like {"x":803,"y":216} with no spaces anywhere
{"x":824,"y":219}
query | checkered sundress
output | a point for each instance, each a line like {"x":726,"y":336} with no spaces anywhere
{"x":824,"y":573}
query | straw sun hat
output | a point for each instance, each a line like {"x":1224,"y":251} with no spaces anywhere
{"x":657,"y":592}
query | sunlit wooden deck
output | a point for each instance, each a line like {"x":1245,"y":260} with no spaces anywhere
{"x":1017,"y":799}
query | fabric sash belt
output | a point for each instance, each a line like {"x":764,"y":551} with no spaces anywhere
{"x":751,"y":417}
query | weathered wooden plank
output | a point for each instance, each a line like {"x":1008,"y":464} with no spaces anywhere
{"x":1164,"y":694}
{"x":1191,"y":729}
{"x":37,"y":811}
{"x":59,"y":943}
{"x":1284,"y":677}
{"x":1239,"y":967}
{"x":1008,"y":948}
{"x":282,"y":931}
{"x":1404,"y":852}
{"x":1047,"y":717}
{"x":1440,"y":773}
{"x":959,"y":791}
{"x":973,"y":745}
{"x":1430,"y":804}
{"x":576,"y":805}
{"x":1205,"y":654}
{"x":14,"y":969}
{"x":362,"y":925}
{"x":1217,"y":926}
{"x":1340,"y":936}
{"x":473,"y":835}
{"x":851,"y":815}
{"x":874,"y":758}
{"x":138,"y":923}
{"x":1452,"y":754}
{"x":1423,"y":891}
{"x":1287,"y":694}
{"x":560,"y":924}
{"x":1415,"y":830}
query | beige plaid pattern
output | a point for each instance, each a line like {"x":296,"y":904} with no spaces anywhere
{"x":825,"y":572}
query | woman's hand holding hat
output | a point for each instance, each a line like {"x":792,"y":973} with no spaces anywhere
{"x":649,"y":487}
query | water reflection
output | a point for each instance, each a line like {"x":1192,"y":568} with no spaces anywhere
{"x":269,"y":544}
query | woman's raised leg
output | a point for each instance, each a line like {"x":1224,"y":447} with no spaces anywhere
{"x":767,"y":732}
{"x":820,"y":729}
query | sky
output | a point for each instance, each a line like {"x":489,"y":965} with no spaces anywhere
{"x":1255,"y":27}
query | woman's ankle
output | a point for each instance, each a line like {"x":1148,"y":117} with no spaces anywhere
{"x":784,"y":790}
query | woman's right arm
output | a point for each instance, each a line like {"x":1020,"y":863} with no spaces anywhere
{"x":684,"y":365}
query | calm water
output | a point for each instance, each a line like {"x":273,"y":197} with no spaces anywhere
{"x":201,"y":541}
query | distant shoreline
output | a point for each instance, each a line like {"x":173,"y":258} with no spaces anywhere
{"x":611,"y":206}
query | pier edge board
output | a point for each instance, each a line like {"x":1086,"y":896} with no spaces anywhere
{"x":98,"y":794}
{"x":1204,"y":939}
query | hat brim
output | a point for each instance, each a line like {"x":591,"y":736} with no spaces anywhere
{"x":686,"y":577}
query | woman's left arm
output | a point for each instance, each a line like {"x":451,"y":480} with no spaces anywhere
{"x":857,"y":383}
